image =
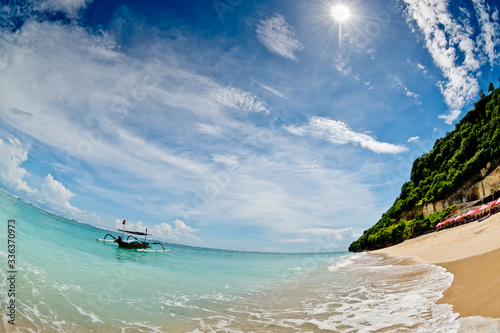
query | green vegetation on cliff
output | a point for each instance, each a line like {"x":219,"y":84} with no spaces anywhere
{"x":454,"y":159}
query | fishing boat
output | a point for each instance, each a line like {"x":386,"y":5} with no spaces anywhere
{"x":133,"y":242}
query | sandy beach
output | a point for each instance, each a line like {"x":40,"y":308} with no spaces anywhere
{"x":471,"y":252}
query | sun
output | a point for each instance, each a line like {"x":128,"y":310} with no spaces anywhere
{"x":340,"y":13}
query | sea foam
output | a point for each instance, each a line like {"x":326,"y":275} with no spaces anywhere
{"x":357,"y":293}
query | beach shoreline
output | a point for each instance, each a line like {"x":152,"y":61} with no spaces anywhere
{"x":470,"y":252}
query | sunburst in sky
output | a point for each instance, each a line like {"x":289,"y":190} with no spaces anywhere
{"x":340,"y":13}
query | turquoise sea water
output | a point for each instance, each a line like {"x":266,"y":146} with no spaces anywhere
{"x":66,"y":281}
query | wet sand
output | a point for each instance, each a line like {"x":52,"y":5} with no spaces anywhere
{"x":471,"y":252}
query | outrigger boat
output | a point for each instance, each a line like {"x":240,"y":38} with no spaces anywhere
{"x":133,"y":242}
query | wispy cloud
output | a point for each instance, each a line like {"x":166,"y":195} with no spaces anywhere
{"x":210,"y":130}
{"x":297,"y":240}
{"x":343,"y":65}
{"x":401,"y":87}
{"x":413,"y":139}
{"x":111,"y":103}
{"x":490,"y":30}
{"x":111,"y":113}
{"x":338,"y":132}
{"x":14,"y":13}
{"x":337,"y":234}
{"x":272,"y":90}
{"x":230,"y":97}
{"x":69,"y":7}
{"x":371,"y":53}
{"x":324,"y":238}
{"x":229,"y":160}
{"x":278,"y":37}
{"x":449,"y":40}
{"x":285,"y":192}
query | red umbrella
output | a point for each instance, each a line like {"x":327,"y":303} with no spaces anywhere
{"x":470,"y":212}
{"x":476,"y":211}
{"x":443,"y":223}
{"x":459,"y":217}
{"x":483,"y":207}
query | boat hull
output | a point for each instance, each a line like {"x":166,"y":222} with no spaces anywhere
{"x":133,"y":244}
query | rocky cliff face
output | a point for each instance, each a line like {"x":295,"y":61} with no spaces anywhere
{"x":478,"y":187}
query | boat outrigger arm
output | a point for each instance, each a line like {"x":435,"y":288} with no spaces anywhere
{"x":132,"y":242}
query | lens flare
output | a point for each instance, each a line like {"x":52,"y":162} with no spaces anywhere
{"x":340,"y":13}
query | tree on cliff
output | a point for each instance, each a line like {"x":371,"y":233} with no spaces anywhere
{"x":455,"y":159}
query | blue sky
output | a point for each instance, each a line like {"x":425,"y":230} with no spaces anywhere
{"x":249,"y":125}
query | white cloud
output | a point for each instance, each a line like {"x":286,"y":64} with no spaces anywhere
{"x":180,"y":233}
{"x":451,"y":116}
{"x":57,"y":196}
{"x":490,"y":30}
{"x":13,"y":154}
{"x":278,"y":37}
{"x":449,"y":40}
{"x":413,"y":139}
{"x":422,"y":68}
{"x":338,"y":132}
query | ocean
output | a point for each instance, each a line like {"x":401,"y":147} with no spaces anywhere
{"x":63,"y":280}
